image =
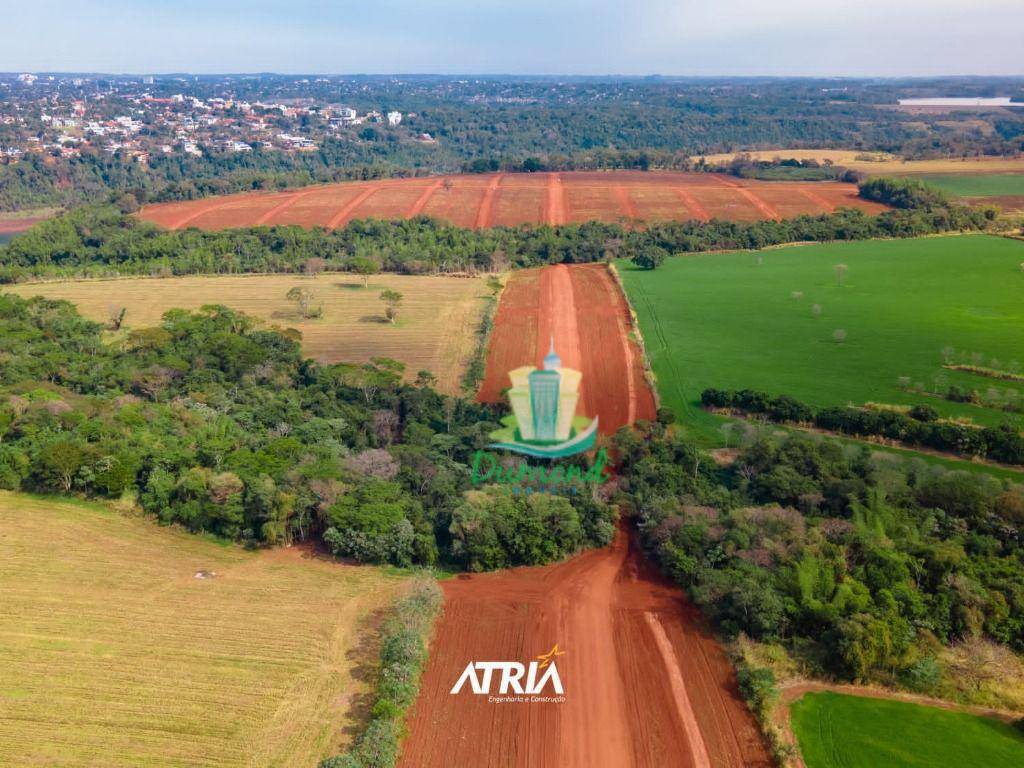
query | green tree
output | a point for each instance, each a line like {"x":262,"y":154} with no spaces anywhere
{"x":365,"y":267}
{"x":650,"y":257}
{"x":392,"y":301}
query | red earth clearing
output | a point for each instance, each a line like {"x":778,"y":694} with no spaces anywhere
{"x":14,"y":225}
{"x":645,"y":682}
{"x":583,"y":310}
{"x":518,"y":198}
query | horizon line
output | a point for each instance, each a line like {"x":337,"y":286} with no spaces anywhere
{"x":546,"y":75}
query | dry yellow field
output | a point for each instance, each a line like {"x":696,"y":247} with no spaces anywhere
{"x":884,"y":163}
{"x":436,"y":327}
{"x":113,"y":653}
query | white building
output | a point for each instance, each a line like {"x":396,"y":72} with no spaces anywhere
{"x":394,"y":118}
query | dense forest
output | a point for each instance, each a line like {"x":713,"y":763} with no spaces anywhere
{"x":211,"y":423}
{"x":103,"y":241}
{"x":861,"y":564}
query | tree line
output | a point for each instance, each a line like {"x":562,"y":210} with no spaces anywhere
{"x":104,"y":241}
{"x":920,"y":426}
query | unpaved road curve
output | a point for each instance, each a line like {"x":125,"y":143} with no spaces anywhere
{"x":642,"y":674}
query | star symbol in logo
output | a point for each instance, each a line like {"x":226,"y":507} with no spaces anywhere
{"x":546,"y":658}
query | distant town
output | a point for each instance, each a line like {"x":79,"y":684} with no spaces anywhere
{"x":64,"y":116}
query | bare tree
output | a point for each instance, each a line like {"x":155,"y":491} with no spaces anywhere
{"x":374,"y":462}
{"x":314,"y":266}
{"x":840,"y":273}
{"x":385,"y":425}
{"x":115,"y":316}
{"x":839,"y":335}
{"x":303,"y":298}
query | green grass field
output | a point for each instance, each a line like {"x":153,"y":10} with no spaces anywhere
{"x":748,"y":320}
{"x":113,"y":653}
{"x":837,"y":731}
{"x":977,"y":184}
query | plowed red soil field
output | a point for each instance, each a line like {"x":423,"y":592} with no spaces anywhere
{"x":512,"y":199}
{"x":582,"y":308}
{"x":646,"y":684}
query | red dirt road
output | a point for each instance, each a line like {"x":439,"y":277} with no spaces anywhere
{"x":517,"y":198}
{"x":583,"y":309}
{"x":646,"y":685}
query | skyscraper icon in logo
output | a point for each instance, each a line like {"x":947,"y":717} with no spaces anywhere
{"x":543,"y":421}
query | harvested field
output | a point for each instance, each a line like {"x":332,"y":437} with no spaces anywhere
{"x":880,"y":163}
{"x":583,"y":309}
{"x":514,"y":199}
{"x":436,"y":328}
{"x":646,"y":684}
{"x":113,"y":652}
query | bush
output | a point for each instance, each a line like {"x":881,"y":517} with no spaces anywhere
{"x":923,"y":413}
{"x":759,"y":689}
{"x":651,"y":257}
{"x":402,"y":654}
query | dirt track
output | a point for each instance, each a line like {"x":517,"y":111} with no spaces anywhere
{"x":585,"y":312}
{"x":645,"y":682}
{"x":517,"y":198}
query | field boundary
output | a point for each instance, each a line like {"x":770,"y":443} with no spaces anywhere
{"x":645,"y":360}
{"x":476,"y":366}
{"x":881,"y":442}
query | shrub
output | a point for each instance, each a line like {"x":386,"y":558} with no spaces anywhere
{"x":758,"y":686}
{"x":923,"y":413}
{"x":403,"y":651}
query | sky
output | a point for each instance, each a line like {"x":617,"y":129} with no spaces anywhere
{"x":595,"y":37}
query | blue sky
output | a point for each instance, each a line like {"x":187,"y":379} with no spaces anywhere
{"x":680,"y":37}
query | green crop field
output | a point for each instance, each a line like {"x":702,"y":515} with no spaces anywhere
{"x":836,"y":731}
{"x":768,"y":320}
{"x":114,"y":652}
{"x":977,"y":184}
